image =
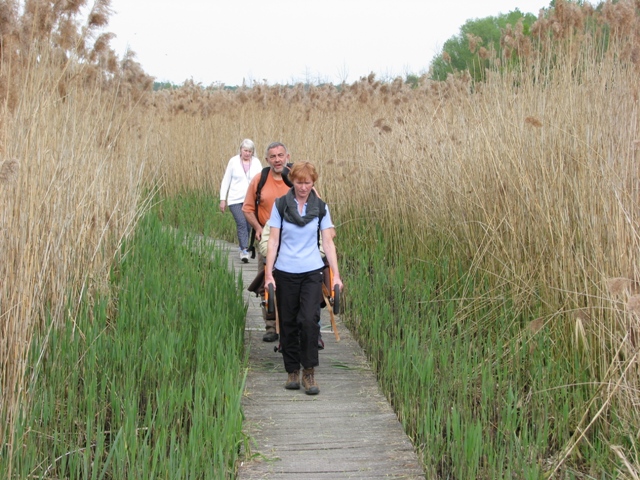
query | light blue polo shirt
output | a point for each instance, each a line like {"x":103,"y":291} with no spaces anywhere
{"x":299,"y":245}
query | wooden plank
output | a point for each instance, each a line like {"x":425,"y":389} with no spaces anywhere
{"x":347,"y":431}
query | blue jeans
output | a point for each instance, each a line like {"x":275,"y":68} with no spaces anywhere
{"x":242,"y":226}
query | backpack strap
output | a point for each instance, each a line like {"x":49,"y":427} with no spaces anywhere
{"x":323,"y":211}
{"x":285,"y":174}
{"x":280,"y":203}
{"x":264,"y":175}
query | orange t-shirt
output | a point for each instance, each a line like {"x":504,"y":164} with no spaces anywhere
{"x":271,"y":190}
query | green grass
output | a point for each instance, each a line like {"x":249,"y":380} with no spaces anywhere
{"x":197,"y":212}
{"x":147,"y":384}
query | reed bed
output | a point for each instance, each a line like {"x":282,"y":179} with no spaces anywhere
{"x":71,"y":199}
{"x":146,"y":384}
{"x":488,"y":233}
{"x":68,"y":193}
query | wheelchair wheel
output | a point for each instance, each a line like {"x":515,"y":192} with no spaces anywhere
{"x":271,"y":299}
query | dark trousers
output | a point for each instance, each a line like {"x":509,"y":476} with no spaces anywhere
{"x":298,"y":301}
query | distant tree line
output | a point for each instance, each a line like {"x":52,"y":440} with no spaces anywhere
{"x":484,"y":42}
{"x":477,"y":44}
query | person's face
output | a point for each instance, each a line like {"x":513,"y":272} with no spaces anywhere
{"x":246,"y":153}
{"x":277,"y":158}
{"x":302,"y":186}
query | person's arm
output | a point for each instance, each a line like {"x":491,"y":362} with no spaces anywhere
{"x":330,"y":252}
{"x":272,"y":249}
{"x":264,"y":238}
{"x":249,"y":207}
{"x":253,"y":221}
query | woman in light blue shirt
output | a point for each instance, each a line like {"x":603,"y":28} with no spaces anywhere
{"x":295,"y":268}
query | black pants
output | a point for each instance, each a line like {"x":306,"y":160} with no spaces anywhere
{"x":298,"y":301}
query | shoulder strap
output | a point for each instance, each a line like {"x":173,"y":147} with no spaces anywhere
{"x":285,"y":174}
{"x":323,"y":211}
{"x":280,"y":202}
{"x":264,"y":174}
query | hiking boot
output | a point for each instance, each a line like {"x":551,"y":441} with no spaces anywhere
{"x":309,"y":383}
{"x":244,"y":256}
{"x":293,"y":382}
{"x":270,"y":337}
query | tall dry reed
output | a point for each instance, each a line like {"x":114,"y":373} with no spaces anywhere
{"x":73,"y":176}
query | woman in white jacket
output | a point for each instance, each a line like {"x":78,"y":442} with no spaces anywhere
{"x":240,"y":170}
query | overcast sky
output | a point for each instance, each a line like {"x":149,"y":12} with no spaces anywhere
{"x":285,"y":41}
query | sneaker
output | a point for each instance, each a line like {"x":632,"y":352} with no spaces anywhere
{"x":293,"y":382}
{"x":270,"y":337}
{"x":244,"y":256}
{"x":309,"y":383}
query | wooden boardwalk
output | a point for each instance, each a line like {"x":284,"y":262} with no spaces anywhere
{"x":347,"y":431}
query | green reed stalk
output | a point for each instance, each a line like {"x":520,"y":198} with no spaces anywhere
{"x":469,"y":382}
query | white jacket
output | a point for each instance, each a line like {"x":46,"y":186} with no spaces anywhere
{"x":235,"y":182}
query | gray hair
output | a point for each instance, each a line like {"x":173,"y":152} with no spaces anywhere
{"x":248,"y":144}
{"x":273,"y":145}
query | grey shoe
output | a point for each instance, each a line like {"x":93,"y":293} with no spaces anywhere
{"x":309,"y":382}
{"x":293,"y":382}
{"x":270,"y":337}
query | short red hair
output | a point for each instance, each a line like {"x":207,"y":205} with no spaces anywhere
{"x":303,"y":171}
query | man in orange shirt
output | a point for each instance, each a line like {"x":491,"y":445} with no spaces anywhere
{"x":277,"y":157}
